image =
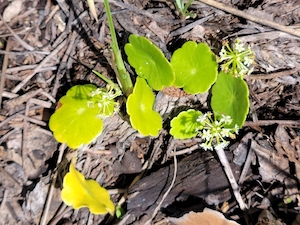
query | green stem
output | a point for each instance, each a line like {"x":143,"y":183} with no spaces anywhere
{"x":122,"y":74}
{"x":114,"y":86}
{"x":107,"y":80}
{"x":186,"y":6}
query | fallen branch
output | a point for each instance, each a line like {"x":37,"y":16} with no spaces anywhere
{"x":229,"y":9}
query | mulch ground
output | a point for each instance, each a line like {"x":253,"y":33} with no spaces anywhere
{"x":48,"y":46}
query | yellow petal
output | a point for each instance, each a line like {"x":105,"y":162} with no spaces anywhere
{"x":79,"y":192}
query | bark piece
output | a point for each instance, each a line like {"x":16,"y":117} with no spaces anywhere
{"x":199,"y":174}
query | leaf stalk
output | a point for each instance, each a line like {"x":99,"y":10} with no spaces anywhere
{"x":121,"y":72}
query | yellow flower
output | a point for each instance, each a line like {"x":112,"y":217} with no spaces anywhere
{"x":79,"y":192}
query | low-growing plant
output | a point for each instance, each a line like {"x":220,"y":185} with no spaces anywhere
{"x":193,"y":67}
{"x":78,"y":119}
{"x":183,"y":9}
{"x":211,"y":128}
{"x":230,"y":106}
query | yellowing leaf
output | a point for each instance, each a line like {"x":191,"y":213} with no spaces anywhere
{"x":75,"y":123}
{"x":79,"y":192}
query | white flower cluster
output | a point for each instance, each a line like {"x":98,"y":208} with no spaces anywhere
{"x":105,"y":100}
{"x":214,"y":131}
{"x":237,"y":60}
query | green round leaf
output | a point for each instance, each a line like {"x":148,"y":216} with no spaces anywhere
{"x":195,"y":67}
{"x":140,"y":109}
{"x":74,"y":123}
{"x":185,"y":125}
{"x":230,"y":96}
{"x":149,"y":62}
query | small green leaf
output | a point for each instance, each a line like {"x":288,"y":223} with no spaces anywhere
{"x":195,"y":67}
{"x":149,"y":62}
{"x":74,"y":123}
{"x":119,"y":212}
{"x":79,"y":192}
{"x":140,"y":109}
{"x":185,"y":125}
{"x":230,"y":96}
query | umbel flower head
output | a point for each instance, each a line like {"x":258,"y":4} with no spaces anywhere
{"x":104,"y":99}
{"x":237,"y":60}
{"x":215,"y":130}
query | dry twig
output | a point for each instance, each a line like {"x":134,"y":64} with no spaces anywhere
{"x":3,"y":73}
{"x":37,"y":69}
{"x":49,"y":198}
{"x":273,"y":75}
{"x":166,"y":193}
{"x":21,"y":42}
{"x":291,"y":123}
{"x":230,"y":176}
